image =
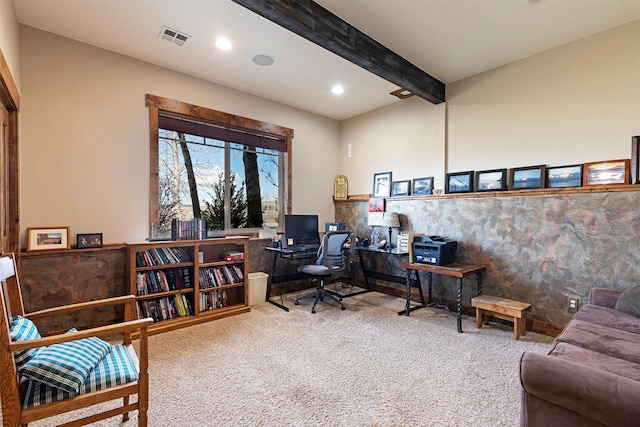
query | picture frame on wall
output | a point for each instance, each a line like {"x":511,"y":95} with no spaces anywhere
{"x":491,"y":180}
{"x":635,"y":160}
{"x":422,"y":186}
{"x":91,"y":240}
{"x":529,"y":177}
{"x":382,"y":184}
{"x":400,"y":188}
{"x":459,"y":182}
{"x":376,"y":204}
{"x":47,"y":238}
{"x":564,"y":176}
{"x":610,"y":172}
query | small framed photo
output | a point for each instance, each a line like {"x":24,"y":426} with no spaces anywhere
{"x":491,"y":180}
{"x":459,"y":182}
{"x":606,"y":173}
{"x":635,"y":160}
{"x":47,"y":238}
{"x":382,"y":184}
{"x":422,"y":186}
{"x":528,"y":177}
{"x":92,"y":240}
{"x":400,"y":188}
{"x":564,"y":176}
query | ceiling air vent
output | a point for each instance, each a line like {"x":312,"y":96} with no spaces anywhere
{"x":173,"y":36}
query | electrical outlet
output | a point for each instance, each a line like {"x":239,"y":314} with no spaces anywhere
{"x":573,"y":305}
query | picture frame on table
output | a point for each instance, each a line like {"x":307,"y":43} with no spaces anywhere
{"x":91,"y":240}
{"x":610,"y":172}
{"x":400,"y":188}
{"x":382,"y":184}
{"x":422,"y":186}
{"x":459,"y":182}
{"x":529,"y":177}
{"x":47,"y":238}
{"x":564,"y":176}
{"x":491,"y":180}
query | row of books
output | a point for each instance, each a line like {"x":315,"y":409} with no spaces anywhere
{"x":212,"y":277}
{"x":161,"y":256}
{"x":213,"y":299}
{"x":170,"y":279}
{"x":165,"y":308}
{"x":188,"y":230}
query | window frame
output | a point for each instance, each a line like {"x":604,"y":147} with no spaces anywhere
{"x":157,"y":104}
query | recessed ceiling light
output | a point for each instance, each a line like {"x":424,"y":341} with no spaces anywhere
{"x":337,"y":89}
{"x":223,"y":43}
{"x":262,"y":59}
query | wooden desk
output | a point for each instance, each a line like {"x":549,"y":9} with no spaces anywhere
{"x":456,"y":270}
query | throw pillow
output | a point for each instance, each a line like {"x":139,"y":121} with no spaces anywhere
{"x":23,"y":329}
{"x":629,"y":301}
{"x":66,"y":366}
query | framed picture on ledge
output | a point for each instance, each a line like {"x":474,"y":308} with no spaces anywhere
{"x":47,"y":238}
{"x":528,"y":177}
{"x":382,"y":184}
{"x":609,"y":172}
{"x":422,"y":186}
{"x":459,"y":182}
{"x":491,"y":180}
{"x":93,"y":240}
{"x":400,"y":188}
{"x":564,"y":176}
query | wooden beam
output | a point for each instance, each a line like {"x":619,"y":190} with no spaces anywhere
{"x":316,"y":24}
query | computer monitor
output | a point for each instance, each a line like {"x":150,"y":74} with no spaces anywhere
{"x":301,"y":229}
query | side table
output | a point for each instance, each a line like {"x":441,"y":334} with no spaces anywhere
{"x":456,"y":270}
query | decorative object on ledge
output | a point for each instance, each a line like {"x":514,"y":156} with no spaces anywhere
{"x":422,"y":186}
{"x":491,"y":180}
{"x":391,"y":220}
{"x":400,"y":188}
{"x":459,"y":182}
{"x":47,"y":238}
{"x":527,"y":177}
{"x":635,"y":160}
{"x":382,"y":184}
{"x":92,"y":240}
{"x":606,"y":173}
{"x":376,"y":204}
{"x":564,"y":176}
{"x":340,"y":188}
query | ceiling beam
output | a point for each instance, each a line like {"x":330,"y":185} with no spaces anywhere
{"x":316,"y":24}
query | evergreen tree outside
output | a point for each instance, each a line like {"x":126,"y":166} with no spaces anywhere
{"x":213,"y":212}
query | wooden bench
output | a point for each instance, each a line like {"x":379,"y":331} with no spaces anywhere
{"x":502,"y":308}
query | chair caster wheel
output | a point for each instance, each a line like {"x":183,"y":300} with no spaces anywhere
{"x":296,"y":302}
{"x":313,"y":311}
{"x":343,"y":308}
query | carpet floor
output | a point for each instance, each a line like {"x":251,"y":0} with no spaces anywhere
{"x":365,"y":366}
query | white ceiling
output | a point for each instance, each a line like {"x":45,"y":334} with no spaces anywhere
{"x":449,"y":39}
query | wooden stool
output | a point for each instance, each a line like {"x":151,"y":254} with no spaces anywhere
{"x":501,"y":308}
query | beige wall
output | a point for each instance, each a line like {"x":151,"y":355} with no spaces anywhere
{"x":573,"y":104}
{"x":85,"y":140}
{"x":9,"y":40}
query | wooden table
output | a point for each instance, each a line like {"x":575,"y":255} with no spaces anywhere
{"x":456,"y":270}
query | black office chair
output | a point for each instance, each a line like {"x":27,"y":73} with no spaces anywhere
{"x":331,"y":264}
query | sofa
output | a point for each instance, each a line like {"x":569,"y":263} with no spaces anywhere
{"x":591,"y":375}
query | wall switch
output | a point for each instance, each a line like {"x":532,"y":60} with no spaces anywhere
{"x":349,"y":150}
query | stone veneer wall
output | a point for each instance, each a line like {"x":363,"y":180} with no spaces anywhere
{"x":541,"y":248}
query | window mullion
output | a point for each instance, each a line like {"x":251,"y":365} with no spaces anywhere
{"x":227,"y":186}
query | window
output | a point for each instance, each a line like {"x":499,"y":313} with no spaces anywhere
{"x":220,"y":167}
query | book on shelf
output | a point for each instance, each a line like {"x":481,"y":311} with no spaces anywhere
{"x":161,"y":256}
{"x":233,"y":256}
{"x":192,"y":229}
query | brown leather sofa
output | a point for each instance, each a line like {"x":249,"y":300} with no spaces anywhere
{"x":591,"y":376}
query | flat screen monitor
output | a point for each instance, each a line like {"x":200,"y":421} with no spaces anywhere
{"x":301,"y":229}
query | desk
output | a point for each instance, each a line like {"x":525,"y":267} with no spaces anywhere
{"x":457,"y":270}
{"x":384,"y":276}
{"x":290,"y":255}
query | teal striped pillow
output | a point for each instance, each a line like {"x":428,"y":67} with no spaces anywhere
{"x":23,"y":329}
{"x":66,"y":366}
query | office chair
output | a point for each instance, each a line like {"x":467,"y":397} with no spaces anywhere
{"x":331,"y":264}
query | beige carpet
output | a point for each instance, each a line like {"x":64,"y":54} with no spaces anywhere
{"x":365,"y":366}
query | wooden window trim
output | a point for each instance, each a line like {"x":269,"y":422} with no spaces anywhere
{"x":157,"y":104}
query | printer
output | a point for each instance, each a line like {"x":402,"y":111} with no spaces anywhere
{"x":434,"y":250}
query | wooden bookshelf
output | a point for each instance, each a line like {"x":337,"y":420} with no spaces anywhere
{"x":186,"y":282}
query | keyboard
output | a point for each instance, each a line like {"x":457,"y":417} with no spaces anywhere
{"x":305,"y":248}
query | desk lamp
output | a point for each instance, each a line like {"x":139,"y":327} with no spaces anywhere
{"x":390,"y":220}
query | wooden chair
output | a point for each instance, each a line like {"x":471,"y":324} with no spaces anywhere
{"x":15,"y":385}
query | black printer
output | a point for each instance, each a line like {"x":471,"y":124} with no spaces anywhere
{"x":434,"y":250}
